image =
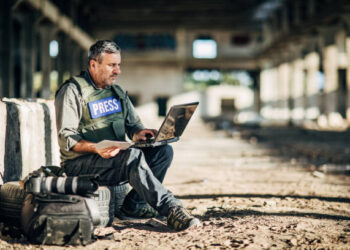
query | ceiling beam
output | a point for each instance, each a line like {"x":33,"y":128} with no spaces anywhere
{"x":64,"y":23}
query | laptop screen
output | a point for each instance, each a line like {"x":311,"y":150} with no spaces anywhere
{"x":176,"y":121}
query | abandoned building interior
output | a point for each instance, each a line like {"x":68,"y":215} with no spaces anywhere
{"x":293,"y":55}
{"x":264,"y":63}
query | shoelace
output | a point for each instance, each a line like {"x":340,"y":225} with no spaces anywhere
{"x":148,"y":210}
{"x":181,"y":214}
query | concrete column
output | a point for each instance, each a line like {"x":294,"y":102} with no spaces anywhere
{"x":296,"y":12}
{"x":285,"y":19}
{"x":182,"y":52}
{"x":283,"y":76}
{"x":255,"y":75}
{"x":297,"y":91}
{"x":348,"y":80}
{"x":311,"y":7}
{"x":268,"y":93}
{"x":275,"y":94}
{"x":331,"y":77}
{"x":75,"y":61}
{"x":46,"y":35}
{"x":64,"y":60}
{"x":267,"y":33}
{"x":342,"y":62}
{"x":60,"y":58}
{"x":83,"y":59}
{"x":312,"y":65}
{"x":181,"y":45}
{"x":264,"y":93}
{"x":67,"y":50}
{"x":27,"y":53}
{"x":6,"y":50}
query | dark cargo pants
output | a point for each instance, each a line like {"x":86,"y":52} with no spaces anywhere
{"x":144,"y":169}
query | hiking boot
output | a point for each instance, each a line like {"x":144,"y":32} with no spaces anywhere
{"x":180,"y":219}
{"x":145,"y":212}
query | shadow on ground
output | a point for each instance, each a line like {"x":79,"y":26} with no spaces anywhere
{"x":249,"y":212}
{"x":266,"y":196}
{"x":319,"y":148}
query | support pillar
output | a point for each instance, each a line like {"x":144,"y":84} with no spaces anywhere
{"x":342,"y":62}
{"x":283,"y":72}
{"x":83,"y":59}
{"x":264,"y":93}
{"x":27,"y":53}
{"x":60,"y":58}
{"x":297,"y":91}
{"x":68,"y":57}
{"x":46,"y":34}
{"x":6,"y":50}
{"x":348,"y":80}
{"x":296,"y":12}
{"x":331,"y":85}
{"x":268,"y":93}
{"x":285,"y":20}
{"x":313,"y":104}
{"x":275,"y":94}
{"x":64,"y":60}
{"x":181,"y":53}
{"x":255,"y":75}
{"x":75,"y":58}
{"x":311,"y":8}
{"x":267,"y":33}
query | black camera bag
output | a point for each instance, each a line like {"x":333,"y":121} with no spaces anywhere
{"x":59,"y":219}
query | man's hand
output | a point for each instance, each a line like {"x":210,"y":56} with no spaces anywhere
{"x":108,"y":152}
{"x":141,"y":134}
{"x":84,"y":146}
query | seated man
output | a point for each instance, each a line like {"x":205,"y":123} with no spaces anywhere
{"x":90,"y":108}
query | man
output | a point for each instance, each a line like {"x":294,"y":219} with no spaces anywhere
{"x":90,"y":108}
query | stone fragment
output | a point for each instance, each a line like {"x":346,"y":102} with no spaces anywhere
{"x":270,"y":203}
{"x":318,"y":174}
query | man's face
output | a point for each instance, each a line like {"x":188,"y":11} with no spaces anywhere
{"x":105,"y":72}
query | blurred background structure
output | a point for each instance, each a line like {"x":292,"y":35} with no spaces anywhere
{"x":261,"y":61}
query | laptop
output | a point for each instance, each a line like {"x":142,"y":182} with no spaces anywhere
{"x":172,"y":127}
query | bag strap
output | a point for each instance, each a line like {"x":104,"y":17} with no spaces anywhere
{"x":77,"y":228}
{"x":81,"y":238}
{"x":56,"y":198}
{"x":48,"y":232}
{"x":54,"y":171}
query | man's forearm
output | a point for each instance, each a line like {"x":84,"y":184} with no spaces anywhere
{"x":84,"y":146}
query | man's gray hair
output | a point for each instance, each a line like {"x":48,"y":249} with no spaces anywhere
{"x":103,"y":46}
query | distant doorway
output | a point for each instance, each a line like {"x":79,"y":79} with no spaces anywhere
{"x":162,"y":105}
{"x":228,"y":106}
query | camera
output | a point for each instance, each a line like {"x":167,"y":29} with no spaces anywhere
{"x":37,"y":183}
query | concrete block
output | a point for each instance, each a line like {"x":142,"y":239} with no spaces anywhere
{"x":13,"y":150}
{"x":3,"y":120}
{"x":51,"y":140}
{"x":30,"y":137}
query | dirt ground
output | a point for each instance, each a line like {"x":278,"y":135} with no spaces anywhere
{"x":252,"y":189}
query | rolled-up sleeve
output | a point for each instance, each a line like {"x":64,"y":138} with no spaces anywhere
{"x":68,"y":105}
{"x":133,"y":122}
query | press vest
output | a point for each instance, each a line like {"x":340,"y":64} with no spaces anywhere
{"x":104,"y":111}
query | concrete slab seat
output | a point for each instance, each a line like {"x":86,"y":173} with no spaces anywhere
{"x":28,"y":140}
{"x":28,"y":137}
